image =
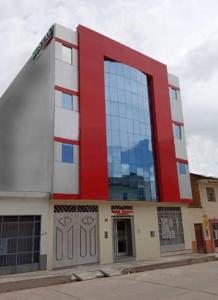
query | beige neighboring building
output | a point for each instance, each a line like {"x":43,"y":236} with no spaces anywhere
{"x":204,"y":213}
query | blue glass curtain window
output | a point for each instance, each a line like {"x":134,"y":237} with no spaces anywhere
{"x":131,"y":170}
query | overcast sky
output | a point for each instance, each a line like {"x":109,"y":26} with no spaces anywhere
{"x":181,"y":34}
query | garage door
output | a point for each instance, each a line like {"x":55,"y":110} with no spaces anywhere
{"x":19,"y":243}
{"x":170,"y":229}
{"x":75,"y":235}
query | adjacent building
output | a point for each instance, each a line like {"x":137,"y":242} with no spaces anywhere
{"x":93,"y":161}
{"x":204,"y":213}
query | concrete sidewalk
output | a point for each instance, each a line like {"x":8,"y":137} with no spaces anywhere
{"x":29,"y":280}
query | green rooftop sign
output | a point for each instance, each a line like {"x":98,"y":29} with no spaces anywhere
{"x":47,"y":38}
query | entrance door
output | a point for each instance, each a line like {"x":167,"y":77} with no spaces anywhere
{"x":215,"y":235}
{"x":122,"y":237}
{"x":75,"y":235}
{"x":199,"y":238}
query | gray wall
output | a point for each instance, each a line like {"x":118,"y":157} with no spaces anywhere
{"x":26,"y":127}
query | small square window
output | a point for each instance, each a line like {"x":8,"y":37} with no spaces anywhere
{"x":174,"y":94}
{"x":211,"y":194}
{"x":182,"y":168}
{"x":67,"y":153}
{"x":67,"y":101}
{"x":177,"y":131}
{"x":66,"y":54}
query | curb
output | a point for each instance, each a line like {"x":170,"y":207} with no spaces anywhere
{"x":44,"y":281}
{"x":164,"y":265}
{"x":31,"y":283}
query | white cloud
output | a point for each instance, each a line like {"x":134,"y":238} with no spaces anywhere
{"x":181,"y":34}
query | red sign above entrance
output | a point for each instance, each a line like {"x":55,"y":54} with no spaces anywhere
{"x":122,"y":210}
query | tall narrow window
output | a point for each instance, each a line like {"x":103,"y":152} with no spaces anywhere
{"x":67,"y":54}
{"x":67,"y":101}
{"x":211,"y":194}
{"x":174,"y":93}
{"x":182,"y":168}
{"x":177,"y":131}
{"x":67,"y":153}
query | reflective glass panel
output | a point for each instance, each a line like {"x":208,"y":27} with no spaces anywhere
{"x":67,"y":153}
{"x":173,"y":93}
{"x":182,"y":168}
{"x":131,"y":170}
{"x":67,"y":101}
{"x":177,"y":131}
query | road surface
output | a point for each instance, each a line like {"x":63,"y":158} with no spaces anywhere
{"x":195,"y":282}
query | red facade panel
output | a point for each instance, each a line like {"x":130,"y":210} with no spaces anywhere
{"x":183,"y":161}
{"x":93,"y":48}
{"x":67,"y":141}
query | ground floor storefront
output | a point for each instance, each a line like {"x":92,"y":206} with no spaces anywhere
{"x":38,"y":234}
{"x":105,"y":232}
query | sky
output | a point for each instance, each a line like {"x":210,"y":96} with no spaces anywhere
{"x":181,"y":34}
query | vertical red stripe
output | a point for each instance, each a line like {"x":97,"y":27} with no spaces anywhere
{"x":93,"y":160}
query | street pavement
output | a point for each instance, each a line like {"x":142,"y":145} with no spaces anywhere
{"x":194,"y":282}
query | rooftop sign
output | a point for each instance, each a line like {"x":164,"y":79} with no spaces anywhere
{"x":44,"y":42}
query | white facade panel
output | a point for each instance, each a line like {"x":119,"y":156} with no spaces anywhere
{"x":58,"y":99}
{"x":66,"y":34}
{"x":76,"y":154}
{"x":57,"y":151}
{"x":184,"y":184}
{"x":58,"y":51}
{"x":173,"y":80}
{"x":75,"y":57}
{"x":66,"y":178}
{"x":180,"y":144}
{"x":27,"y":206}
{"x":66,"y":124}
{"x":176,"y":105}
{"x":66,"y":75}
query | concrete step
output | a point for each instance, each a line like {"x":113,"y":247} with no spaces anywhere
{"x":81,"y":276}
{"x":109,"y":272}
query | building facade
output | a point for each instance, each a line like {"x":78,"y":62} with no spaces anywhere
{"x":92,"y":150}
{"x":204,"y":213}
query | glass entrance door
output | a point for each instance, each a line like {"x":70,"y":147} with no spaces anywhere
{"x":122,"y":237}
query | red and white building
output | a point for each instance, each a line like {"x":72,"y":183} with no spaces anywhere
{"x":93,"y":156}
